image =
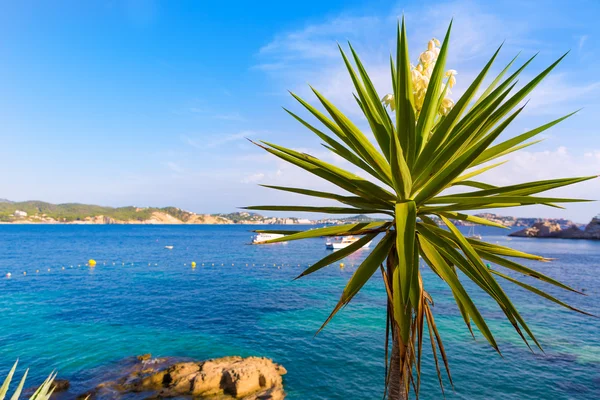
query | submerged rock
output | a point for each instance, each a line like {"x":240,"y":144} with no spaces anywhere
{"x":59,"y":386}
{"x":251,"y":378}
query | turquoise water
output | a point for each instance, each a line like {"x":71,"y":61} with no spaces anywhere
{"x":82,"y":322}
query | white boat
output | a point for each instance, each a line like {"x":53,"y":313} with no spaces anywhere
{"x":343,"y":243}
{"x":473,"y":235}
{"x":169,"y":247}
{"x":263,"y":237}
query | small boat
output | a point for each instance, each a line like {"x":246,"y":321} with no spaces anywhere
{"x":263,"y":237}
{"x":473,"y":235}
{"x":345,"y":242}
{"x":169,"y":247}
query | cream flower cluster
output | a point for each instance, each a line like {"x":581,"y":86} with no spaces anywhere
{"x":420,"y":76}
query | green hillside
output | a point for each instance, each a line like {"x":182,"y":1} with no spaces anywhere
{"x":74,"y":212}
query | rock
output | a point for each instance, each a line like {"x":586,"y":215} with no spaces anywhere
{"x":61,"y":385}
{"x":572,"y":232}
{"x":592,"y":230}
{"x":251,"y":378}
{"x":539,"y":229}
{"x":144,"y":357}
{"x":553,"y":230}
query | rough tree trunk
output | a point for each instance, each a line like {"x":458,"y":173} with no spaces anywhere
{"x":396,"y":389}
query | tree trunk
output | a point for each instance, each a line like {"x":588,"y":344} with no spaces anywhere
{"x":396,"y":389}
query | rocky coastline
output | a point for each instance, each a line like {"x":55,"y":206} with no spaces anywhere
{"x":553,"y":230}
{"x":145,"y":377}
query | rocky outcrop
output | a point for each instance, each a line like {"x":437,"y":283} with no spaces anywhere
{"x":592,"y":230}
{"x":539,"y":229}
{"x":552,"y":230}
{"x":251,"y":378}
{"x":58,"y":386}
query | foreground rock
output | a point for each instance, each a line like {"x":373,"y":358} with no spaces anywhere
{"x":252,"y":378}
{"x":58,"y":386}
{"x":552,"y":230}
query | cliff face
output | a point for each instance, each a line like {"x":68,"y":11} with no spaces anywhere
{"x":553,"y":230}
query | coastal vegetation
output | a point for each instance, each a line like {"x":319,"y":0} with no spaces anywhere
{"x":43,"y":392}
{"x":426,"y":143}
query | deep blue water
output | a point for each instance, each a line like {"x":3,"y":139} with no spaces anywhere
{"x":81,"y":321}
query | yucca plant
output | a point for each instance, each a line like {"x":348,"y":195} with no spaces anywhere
{"x":42,"y":393}
{"x":427,"y":149}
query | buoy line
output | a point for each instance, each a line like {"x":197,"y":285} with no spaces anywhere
{"x":193,"y":264}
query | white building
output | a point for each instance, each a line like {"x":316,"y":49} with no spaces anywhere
{"x":20,"y":214}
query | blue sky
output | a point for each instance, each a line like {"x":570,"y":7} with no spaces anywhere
{"x":148,"y":102}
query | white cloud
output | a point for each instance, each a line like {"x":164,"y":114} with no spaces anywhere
{"x":558,"y":90}
{"x":174,"y":167}
{"x":309,"y":54}
{"x":234,"y":116}
{"x":253,"y":178}
{"x":212,"y":141}
{"x":582,"y":40}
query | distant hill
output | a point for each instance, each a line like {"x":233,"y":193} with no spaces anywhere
{"x":242,"y":217}
{"x":74,"y":213}
{"x":360,"y":218}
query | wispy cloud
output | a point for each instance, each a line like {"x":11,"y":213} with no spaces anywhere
{"x":582,"y":41}
{"x":212,"y":141}
{"x":174,"y":167}
{"x":253,"y":178}
{"x":557,"y":90}
{"x":310,"y":52}
{"x":230,"y":117}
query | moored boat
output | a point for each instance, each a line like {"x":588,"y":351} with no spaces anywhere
{"x":264,"y":237}
{"x":473,"y":235}
{"x":343,"y":243}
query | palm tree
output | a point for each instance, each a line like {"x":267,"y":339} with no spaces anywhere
{"x":427,"y":144}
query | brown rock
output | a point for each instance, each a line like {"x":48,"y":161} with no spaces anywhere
{"x":144,"y":357}
{"x":251,"y":378}
{"x":539,"y":229}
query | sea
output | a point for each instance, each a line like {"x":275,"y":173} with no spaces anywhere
{"x":57,"y":314}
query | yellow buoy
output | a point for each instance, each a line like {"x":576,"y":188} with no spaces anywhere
{"x":193,"y":264}
{"x":92,"y":263}
{"x":37,"y":271}
{"x":342,"y":265}
{"x":24,"y":273}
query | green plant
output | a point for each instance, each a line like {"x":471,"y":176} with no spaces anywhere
{"x":427,"y":144}
{"x":42,"y":393}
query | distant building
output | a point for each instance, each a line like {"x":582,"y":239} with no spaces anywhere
{"x":304,"y":221}
{"x":20,"y":214}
